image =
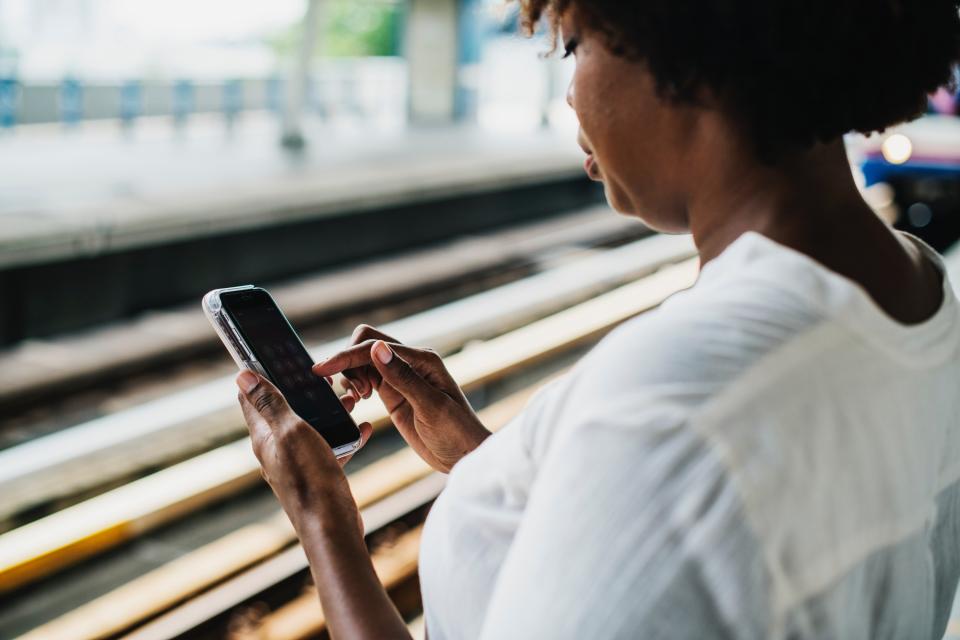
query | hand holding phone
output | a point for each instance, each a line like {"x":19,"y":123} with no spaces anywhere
{"x":261,"y":339}
{"x":299,"y":466}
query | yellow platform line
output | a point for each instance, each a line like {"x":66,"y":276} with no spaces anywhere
{"x":63,"y":538}
{"x":202,"y":568}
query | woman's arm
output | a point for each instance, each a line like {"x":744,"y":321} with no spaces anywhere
{"x":354,"y":602}
{"x":430,"y":411}
{"x":313,"y":491}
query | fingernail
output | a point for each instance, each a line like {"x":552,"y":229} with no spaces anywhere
{"x":247,"y":381}
{"x":383,"y":352}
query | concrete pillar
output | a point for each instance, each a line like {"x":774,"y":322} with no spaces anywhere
{"x":298,"y":78}
{"x":431,"y":50}
{"x":469,"y":49}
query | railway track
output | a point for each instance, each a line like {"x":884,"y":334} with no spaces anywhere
{"x":153,"y":433}
{"x":252,"y":581}
{"x":501,"y":344}
{"x":49,"y":385}
{"x":38,"y":369}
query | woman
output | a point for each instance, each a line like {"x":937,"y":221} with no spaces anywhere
{"x":773,"y":453}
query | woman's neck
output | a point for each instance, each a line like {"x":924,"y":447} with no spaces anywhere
{"x":800,"y":202}
{"x":810,"y":203}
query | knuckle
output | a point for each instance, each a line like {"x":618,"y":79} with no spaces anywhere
{"x":265,"y":401}
{"x":406,"y":374}
{"x":363,"y":329}
{"x":425,"y":354}
{"x":351,"y":386}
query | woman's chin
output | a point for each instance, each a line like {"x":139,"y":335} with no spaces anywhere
{"x":624,"y":205}
{"x":618,"y":200}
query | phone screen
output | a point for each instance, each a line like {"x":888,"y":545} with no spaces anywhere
{"x":288,"y":364}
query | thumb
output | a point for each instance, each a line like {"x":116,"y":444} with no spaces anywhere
{"x":264,"y":398}
{"x":398,"y":373}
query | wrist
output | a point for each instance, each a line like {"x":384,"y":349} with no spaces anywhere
{"x":320,"y":533}
{"x":477,"y":435}
{"x":326,"y":516}
{"x":463,"y":442}
{"x":474,"y":433}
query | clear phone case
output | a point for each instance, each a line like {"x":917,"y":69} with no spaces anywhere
{"x":237,"y":347}
{"x":213,"y":309}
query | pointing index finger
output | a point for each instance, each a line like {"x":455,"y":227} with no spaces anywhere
{"x":356,"y":356}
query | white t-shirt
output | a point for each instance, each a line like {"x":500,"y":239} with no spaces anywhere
{"x":767,"y":455}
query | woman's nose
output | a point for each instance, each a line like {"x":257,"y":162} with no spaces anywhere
{"x":570,"y":94}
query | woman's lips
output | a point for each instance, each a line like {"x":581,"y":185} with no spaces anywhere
{"x":590,"y":166}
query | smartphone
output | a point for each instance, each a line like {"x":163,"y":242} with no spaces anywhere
{"x":260,"y":338}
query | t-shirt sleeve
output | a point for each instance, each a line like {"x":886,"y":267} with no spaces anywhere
{"x":632,"y":529}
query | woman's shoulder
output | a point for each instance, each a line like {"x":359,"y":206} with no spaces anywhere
{"x":753,"y":299}
{"x":674,"y":359}
{"x":708,"y":334}
{"x":757,"y":327}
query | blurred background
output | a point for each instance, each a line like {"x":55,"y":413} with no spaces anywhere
{"x":405,"y":163}
{"x":129,"y":124}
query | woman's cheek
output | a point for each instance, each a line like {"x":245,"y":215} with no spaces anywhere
{"x":594,"y":110}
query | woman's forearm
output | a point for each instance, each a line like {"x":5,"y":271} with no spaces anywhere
{"x":309,"y":482}
{"x":354,"y":602}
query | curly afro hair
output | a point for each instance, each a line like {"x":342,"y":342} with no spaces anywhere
{"x":793,"y":71}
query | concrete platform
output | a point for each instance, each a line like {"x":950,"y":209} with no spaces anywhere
{"x":100,"y":227}
{"x":37,"y":367}
{"x":71,"y":194}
